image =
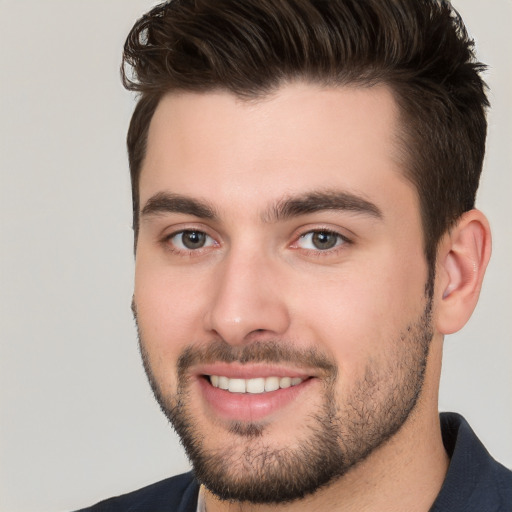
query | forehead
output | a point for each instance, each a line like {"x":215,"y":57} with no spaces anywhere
{"x":303,"y":137}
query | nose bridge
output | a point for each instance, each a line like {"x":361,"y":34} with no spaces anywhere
{"x":247,"y":297}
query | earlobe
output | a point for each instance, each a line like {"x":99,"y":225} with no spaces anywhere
{"x":462,"y":259}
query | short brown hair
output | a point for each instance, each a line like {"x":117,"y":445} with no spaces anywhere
{"x":419,"y":48}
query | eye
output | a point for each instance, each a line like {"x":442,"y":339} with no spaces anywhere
{"x":321,"y":240}
{"x":190,"y":240}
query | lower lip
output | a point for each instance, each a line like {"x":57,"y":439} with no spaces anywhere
{"x":249,"y":407}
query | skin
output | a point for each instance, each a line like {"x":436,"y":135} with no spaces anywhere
{"x":247,"y":284}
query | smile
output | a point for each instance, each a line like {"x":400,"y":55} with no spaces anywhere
{"x":254,"y":392}
{"x":256,"y":385}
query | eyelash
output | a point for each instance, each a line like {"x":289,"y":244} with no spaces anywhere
{"x":341,"y":241}
{"x":169,"y":245}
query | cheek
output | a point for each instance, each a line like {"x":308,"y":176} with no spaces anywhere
{"x":169,"y":313}
{"x":359,"y":316}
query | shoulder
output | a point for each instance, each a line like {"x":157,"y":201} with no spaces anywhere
{"x":178,"y":493}
{"x":475,"y":481}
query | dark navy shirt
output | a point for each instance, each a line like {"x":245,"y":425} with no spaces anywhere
{"x":475,"y":482}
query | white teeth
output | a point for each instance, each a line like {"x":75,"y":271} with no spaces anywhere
{"x":236,"y":386}
{"x":223,"y":383}
{"x":271,"y":383}
{"x":255,"y":386}
{"x":286,"y":382}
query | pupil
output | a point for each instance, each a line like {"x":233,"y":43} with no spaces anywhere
{"x":193,"y":239}
{"x":324,"y":240}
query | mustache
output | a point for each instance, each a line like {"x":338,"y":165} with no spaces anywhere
{"x":268,"y":351}
{"x":271,"y":351}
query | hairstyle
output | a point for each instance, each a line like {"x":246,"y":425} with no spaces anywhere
{"x":419,"y":48}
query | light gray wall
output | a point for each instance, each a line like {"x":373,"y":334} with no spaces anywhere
{"x":78,"y":422}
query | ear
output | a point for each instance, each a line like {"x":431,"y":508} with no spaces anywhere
{"x":462,"y":258}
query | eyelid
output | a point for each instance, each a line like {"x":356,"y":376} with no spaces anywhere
{"x":166,"y":239}
{"x":303,"y":232}
{"x":208,"y":240}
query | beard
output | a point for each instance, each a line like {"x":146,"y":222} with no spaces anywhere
{"x":341,"y":431}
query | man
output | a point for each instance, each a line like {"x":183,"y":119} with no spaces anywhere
{"x":304,"y":175}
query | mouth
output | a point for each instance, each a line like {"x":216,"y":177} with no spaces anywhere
{"x":247,"y":393}
{"x":256,"y":386}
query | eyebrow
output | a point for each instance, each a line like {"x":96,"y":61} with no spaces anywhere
{"x":164,"y":202}
{"x":295,"y":206}
{"x":320,"y":201}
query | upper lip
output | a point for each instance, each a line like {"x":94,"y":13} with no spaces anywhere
{"x":250,"y":370}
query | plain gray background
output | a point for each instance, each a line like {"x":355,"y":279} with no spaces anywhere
{"x":78,"y":421}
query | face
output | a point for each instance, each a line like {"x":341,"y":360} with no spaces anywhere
{"x":280,"y":284}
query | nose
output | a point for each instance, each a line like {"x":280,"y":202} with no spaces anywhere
{"x":248,"y":299}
